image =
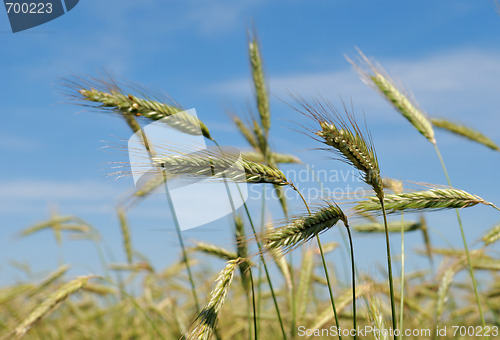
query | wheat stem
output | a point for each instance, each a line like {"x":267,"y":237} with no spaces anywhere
{"x":332,"y":301}
{"x":259,"y":245}
{"x":462,"y":233}
{"x":181,"y":243}
{"x":389,"y":268}
{"x":353,"y":273}
{"x":254,"y":307}
{"x":325,"y":268}
{"x":401,"y":305}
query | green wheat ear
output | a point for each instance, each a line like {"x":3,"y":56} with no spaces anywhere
{"x":465,"y":132}
{"x":492,"y":235}
{"x":392,"y":227}
{"x":374,"y":75}
{"x":303,"y":229}
{"x":345,"y":138}
{"x":259,"y":81}
{"x":434,"y":199}
{"x":108,"y":95}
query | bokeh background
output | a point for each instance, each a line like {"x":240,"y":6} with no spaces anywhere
{"x":52,"y":158}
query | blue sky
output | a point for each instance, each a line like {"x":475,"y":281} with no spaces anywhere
{"x":445,"y":52}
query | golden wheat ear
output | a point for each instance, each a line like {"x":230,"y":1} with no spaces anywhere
{"x":206,"y":322}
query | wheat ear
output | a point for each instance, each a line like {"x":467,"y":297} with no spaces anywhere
{"x":127,"y":243}
{"x":278,"y":158}
{"x":49,"y":304}
{"x":302,"y":229}
{"x":246,"y":132}
{"x":345,"y":138}
{"x":212,"y":161}
{"x":392,"y":227}
{"x":492,"y":236}
{"x":108,"y":95}
{"x":375,"y":76}
{"x":434,"y":199}
{"x":242,"y":252}
{"x":259,"y":81}
{"x":206,"y":321}
{"x":465,"y":132}
{"x":212,"y":249}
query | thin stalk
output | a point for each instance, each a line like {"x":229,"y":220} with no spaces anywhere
{"x":262,"y":224}
{"x":389,"y":268}
{"x":401,"y":305}
{"x":249,"y":268}
{"x":259,"y":245}
{"x":469,"y":262}
{"x":292,"y":296}
{"x":353,"y":270}
{"x":330,"y":292}
{"x":181,"y":243}
{"x":329,"y":285}
{"x":254,"y":306}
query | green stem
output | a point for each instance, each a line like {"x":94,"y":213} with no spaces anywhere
{"x":292,"y":297}
{"x":233,"y":209}
{"x":329,"y":286}
{"x":265,"y":270}
{"x":469,"y":262}
{"x":401,"y":305}
{"x":389,"y":268}
{"x":353,"y":270}
{"x":253,"y":304}
{"x":181,"y":242}
{"x":324,"y":266}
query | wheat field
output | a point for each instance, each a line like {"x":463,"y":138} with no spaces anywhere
{"x":276,"y":281}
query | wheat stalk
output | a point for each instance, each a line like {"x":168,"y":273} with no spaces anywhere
{"x":380,"y":81}
{"x":302,"y":229}
{"x":464,"y":131}
{"x":434,"y":199}
{"x":206,"y":321}
{"x":346,"y":138}
{"x":419,"y":120}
